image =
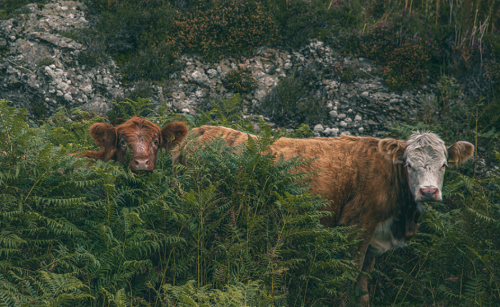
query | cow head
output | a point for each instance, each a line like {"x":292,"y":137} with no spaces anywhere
{"x":135,"y":142}
{"x":425,"y":157}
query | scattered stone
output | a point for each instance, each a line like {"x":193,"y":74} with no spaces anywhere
{"x":43,"y":63}
{"x":318,"y":128}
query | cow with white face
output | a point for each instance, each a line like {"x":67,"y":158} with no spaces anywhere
{"x":426,"y":158}
{"x":375,"y":184}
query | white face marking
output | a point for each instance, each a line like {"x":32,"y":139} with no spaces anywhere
{"x":425,"y":158}
{"x":383,"y":240}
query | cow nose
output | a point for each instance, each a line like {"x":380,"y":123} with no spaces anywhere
{"x":429,"y":193}
{"x":141,"y":165}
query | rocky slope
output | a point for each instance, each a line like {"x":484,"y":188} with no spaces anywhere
{"x":39,"y":67}
{"x":39,"y":70}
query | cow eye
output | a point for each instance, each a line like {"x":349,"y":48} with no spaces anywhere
{"x":122,"y":143}
{"x":156,"y":142}
{"x":408,"y":165}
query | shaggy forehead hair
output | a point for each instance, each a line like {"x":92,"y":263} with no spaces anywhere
{"x":425,"y":143}
{"x":133,"y":126}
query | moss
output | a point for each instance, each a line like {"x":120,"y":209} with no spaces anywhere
{"x":69,"y":34}
{"x":46,"y":62}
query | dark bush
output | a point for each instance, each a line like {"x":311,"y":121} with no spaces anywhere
{"x":406,"y":47}
{"x":296,"y":100}
{"x":133,"y":33}
{"x":152,"y":63}
{"x":217,"y":29}
{"x":407,"y":66}
{"x":298,"y":20}
{"x":240,"y":81}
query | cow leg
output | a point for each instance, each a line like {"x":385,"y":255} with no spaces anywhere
{"x":362,"y":256}
{"x":368,"y":265}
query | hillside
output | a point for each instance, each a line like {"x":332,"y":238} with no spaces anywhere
{"x":103,"y":236}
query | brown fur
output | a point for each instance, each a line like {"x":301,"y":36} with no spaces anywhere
{"x":364,"y":177}
{"x":139,"y":135}
{"x":365,"y":187}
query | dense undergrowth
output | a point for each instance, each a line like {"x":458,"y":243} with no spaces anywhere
{"x":232,"y":230}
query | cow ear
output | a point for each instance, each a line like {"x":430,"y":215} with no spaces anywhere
{"x":392,"y":149}
{"x":460,"y":152}
{"x":172,"y":134}
{"x":118,"y":121}
{"x":105,"y":137}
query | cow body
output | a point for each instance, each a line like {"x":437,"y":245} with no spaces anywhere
{"x":367,"y":181}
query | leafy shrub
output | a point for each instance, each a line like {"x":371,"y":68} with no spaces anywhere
{"x":217,"y":29}
{"x":250,"y":294}
{"x":127,"y":108}
{"x":302,"y":131}
{"x":346,"y":72}
{"x":403,"y":45}
{"x":133,"y":33}
{"x":72,"y":127}
{"x":103,"y":235}
{"x":406,"y":66}
{"x":239,"y":81}
{"x":292,"y":102}
{"x":152,"y":63}
{"x":298,"y":21}
{"x":96,"y":52}
{"x":38,"y":108}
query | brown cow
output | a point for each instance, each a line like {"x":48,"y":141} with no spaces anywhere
{"x":135,"y":141}
{"x":375,"y":184}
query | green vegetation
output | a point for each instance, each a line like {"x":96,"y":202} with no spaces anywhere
{"x":295,"y":99}
{"x":240,"y":81}
{"x":234,"y":227}
{"x":46,"y":62}
{"x":8,"y":8}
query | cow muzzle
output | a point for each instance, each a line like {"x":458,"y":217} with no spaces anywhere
{"x":141,"y":165}
{"x":429,"y":194}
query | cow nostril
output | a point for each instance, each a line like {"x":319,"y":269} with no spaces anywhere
{"x":142,"y":164}
{"x":429,"y":192}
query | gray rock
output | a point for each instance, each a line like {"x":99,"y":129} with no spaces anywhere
{"x":318,"y":128}
{"x":333,"y":113}
{"x":200,"y":78}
